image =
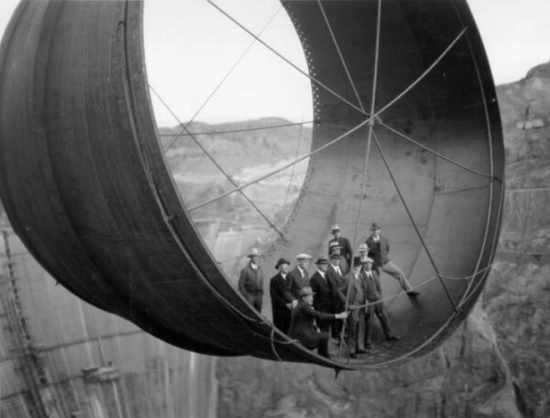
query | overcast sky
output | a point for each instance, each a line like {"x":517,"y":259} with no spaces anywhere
{"x":190,"y":47}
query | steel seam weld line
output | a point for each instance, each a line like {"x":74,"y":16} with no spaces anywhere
{"x":328,"y":89}
{"x":342,"y":60}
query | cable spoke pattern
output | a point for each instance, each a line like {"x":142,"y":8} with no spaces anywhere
{"x":222,"y":81}
{"x":435,"y":153}
{"x":320,"y":84}
{"x":412,"y":220}
{"x":296,"y":161}
{"x":219,"y":167}
{"x":233,"y":131}
{"x":342,"y":60}
{"x":367,"y":156}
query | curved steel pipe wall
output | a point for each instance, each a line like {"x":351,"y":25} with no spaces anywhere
{"x":86,"y":187}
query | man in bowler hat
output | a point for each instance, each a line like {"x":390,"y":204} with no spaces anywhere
{"x":282,"y":300}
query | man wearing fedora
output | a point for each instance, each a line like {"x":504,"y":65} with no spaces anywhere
{"x":251,"y":281}
{"x":299,"y":275}
{"x":379,"y":248}
{"x":363,"y":251}
{"x":356,"y":295}
{"x":345,"y":247}
{"x":302,"y":325}
{"x":375,"y":305}
{"x":328,"y":296}
{"x":336,"y":249}
{"x":337,"y":274}
{"x":282,"y":300}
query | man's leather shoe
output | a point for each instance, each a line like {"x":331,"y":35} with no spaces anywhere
{"x":413,"y":293}
{"x":360,"y":351}
{"x":369,"y":346}
{"x":394,"y":338}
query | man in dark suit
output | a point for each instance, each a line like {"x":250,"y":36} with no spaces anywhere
{"x":375,"y":306}
{"x":282,"y":300}
{"x":299,"y":275}
{"x":379,"y":248}
{"x":337,"y":275}
{"x":343,"y":243}
{"x":328,"y":297}
{"x":356,"y":291}
{"x":251,"y":280}
{"x":302,"y":326}
{"x":336,"y":249}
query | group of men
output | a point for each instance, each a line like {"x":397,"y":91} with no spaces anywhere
{"x":344,"y":287}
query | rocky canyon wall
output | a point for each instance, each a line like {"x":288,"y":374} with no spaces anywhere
{"x":496,"y":365}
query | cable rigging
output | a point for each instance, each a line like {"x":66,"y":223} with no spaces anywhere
{"x":222,"y":81}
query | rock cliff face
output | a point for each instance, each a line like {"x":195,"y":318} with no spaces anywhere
{"x":496,"y":364}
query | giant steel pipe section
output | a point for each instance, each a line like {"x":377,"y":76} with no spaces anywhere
{"x":85,"y":184}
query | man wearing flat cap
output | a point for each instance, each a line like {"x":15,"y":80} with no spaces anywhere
{"x":299,"y":275}
{"x":345,"y":247}
{"x":379,"y":248}
{"x":251,"y":280}
{"x":302,"y":326}
{"x":328,"y":296}
{"x":282,"y":300}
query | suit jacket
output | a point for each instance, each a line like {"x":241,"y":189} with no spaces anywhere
{"x":346,"y":250}
{"x":251,"y":280}
{"x":351,"y":292}
{"x":339,"y":277}
{"x":378,"y":251}
{"x":302,"y":325}
{"x":279,"y":290}
{"x":298,"y":282}
{"x":374,"y":291}
{"x":328,"y":297}
{"x":350,"y":289}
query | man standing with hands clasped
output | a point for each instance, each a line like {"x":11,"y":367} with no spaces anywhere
{"x":251,"y":280}
{"x":379,"y":247}
{"x":328,"y":296}
{"x":282,"y":300}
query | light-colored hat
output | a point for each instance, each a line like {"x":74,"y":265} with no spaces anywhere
{"x":334,"y":245}
{"x":306,"y":291}
{"x":363,"y":247}
{"x":367,"y":260}
{"x":303,"y":256}
{"x":335,"y":228}
{"x":254,"y":253}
